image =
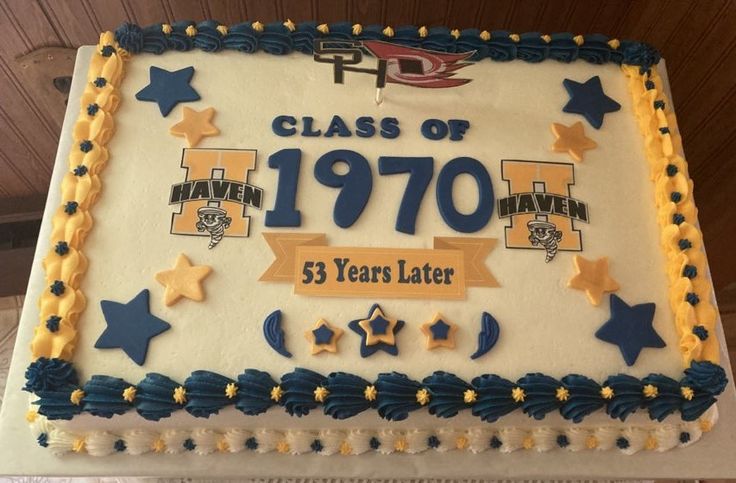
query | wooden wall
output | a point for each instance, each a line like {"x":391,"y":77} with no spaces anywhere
{"x":697,"y":37}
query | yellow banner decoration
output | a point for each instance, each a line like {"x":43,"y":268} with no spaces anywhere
{"x":442,"y":272}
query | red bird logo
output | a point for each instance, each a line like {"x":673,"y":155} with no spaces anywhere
{"x":418,"y":67}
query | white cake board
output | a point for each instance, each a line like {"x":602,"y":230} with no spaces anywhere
{"x":711,"y":457}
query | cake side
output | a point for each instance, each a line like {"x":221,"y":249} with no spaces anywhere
{"x":85,"y":401}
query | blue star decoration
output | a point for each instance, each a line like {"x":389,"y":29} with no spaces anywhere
{"x":589,"y":100}
{"x":130,"y":327}
{"x":630,"y":328}
{"x":167,"y":89}
{"x":377,"y":332}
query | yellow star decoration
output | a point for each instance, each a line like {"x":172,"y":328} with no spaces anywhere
{"x":276,"y":393}
{"x":180,"y":395}
{"x":373,"y":339}
{"x":231,"y":390}
{"x":591,"y":442}
{"x":78,"y":445}
{"x":330,"y":346}
{"x":651,"y":443}
{"x":184,"y":280}
{"x":195,"y":125}
{"x":470,"y":396}
{"x":518,"y":394}
{"x":562,"y":394}
{"x":571,"y":140}
{"x":129,"y":394}
{"x":401,"y":445}
{"x":432,"y":341}
{"x":158,"y":446}
{"x":223,"y":446}
{"x":607,"y":392}
{"x":706,"y":425}
{"x":31,"y":415}
{"x":370,"y":393}
{"x":282,"y":447}
{"x":528,"y":442}
{"x":461,"y":442}
{"x":320,"y":394}
{"x":345,"y":448}
{"x":76,"y":397}
{"x":687,"y":393}
{"x":650,"y":391}
{"x":592,"y":277}
{"x":422,"y":397}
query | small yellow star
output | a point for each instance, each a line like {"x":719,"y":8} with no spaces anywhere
{"x":461,"y":442}
{"x":436,"y":329}
{"x":370,"y":393}
{"x":687,"y":393}
{"x":470,"y":396}
{"x":422,"y":397}
{"x":371,"y":337}
{"x":706,"y":425}
{"x":650,"y":391}
{"x":571,"y":140}
{"x":345,"y":448}
{"x":231,"y":390}
{"x":401,"y":445}
{"x":592,"y":277}
{"x":591,"y":442}
{"x":195,"y":125}
{"x":129,"y":394}
{"x":222,"y":445}
{"x":607,"y":392}
{"x":180,"y":395}
{"x":184,"y":280}
{"x":331,"y":346}
{"x":562,"y":394}
{"x":78,"y":445}
{"x":276,"y":393}
{"x":518,"y":394}
{"x":528,"y":442}
{"x":158,"y":446}
{"x":76,"y":397}
{"x":31,"y":415}
{"x":282,"y":447}
{"x":651,"y":443}
{"x":320,"y":394}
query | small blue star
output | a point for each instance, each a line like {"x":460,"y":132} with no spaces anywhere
{"x":130,"y":327}
{"x":167,"y":89}
{"x":368,"y":350}
{"x":630,"y":328}
{"x":440,"y":330}
{"x":323,"y":335}
{"x":379,"y":325}
{"x":589,"y":100}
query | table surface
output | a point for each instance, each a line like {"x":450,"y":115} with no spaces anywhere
{"x":711,"y":457}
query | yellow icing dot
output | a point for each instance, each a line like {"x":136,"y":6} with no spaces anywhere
{"x":461,"y":442}
{"x":166,"y":29}
{"x":180,"y":395}
{"x":562,"y":394}
{"x":76,"y":397}
{"x":423,"y":397}
{"x":282,"y":447}
{"x":323,"y":28}
{"x":291,"y":26}
{"x":129,"y":394}
{"x":223,"y":445}
{"x":257,"y":26}
{"x":514,"y":37}
{"x":650,"y":391}
{"x":345,"y":448}
{"x":528,"y":442}
{"x":231,"y":390}
{"x":547,"y":39}
{"x":158,"y":446}
{"x":31,"y":415}
{"x":357,"y":29}
{"x":370,"y":393}
{"x":455,"y":33}
{"x":470,"y":396}
{"x":607,"y":392}
{"x":388,"y":31}
{"x":579,"y":39}
{"x":651,"y":443}
{"x":191,"y":31}
{"x":320,"y":394}
{"x":706,"y":425}
{"x":423,"y":31}
{"x":78,"y":445}
{"x":687,"y":393}
{"x":276,"y":393}
{"x":400,"y":445}
{"x":222,"y":29}
{"x":485,"y":35}
{"x":591,"y":442}
{"x":518,"y":394}
{"x":614,"y":44}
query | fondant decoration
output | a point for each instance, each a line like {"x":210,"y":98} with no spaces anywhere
{"x":572,"y":140}
{"x":377,"y":332}
{"x":274,"y":334}
{"x":420,"y":172}
{"x":355,"y":185}
{"x":630,"y":328}
{"x":130,"y":327}
{"x":488,"y":336}
{"x":167,"y":89}
{"x":195,"y":125}
{"x":439,"y":332}
{"x":475,"y":221}
{"x":184,"y":280}
{"x":541,"y":212}
{"x":319,"y":270}
{"x":592,"y":277}
{"x":284,"y":212}
{"x":214,"y":196}
{"x":323,"y":337}
{"x":588,"y":99}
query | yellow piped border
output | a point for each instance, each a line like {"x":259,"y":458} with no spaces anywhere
{"x":663,"y":145}
{"x":72,"y":226}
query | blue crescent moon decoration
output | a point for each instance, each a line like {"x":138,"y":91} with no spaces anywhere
{"x":489,"y":332}
{"x":274,"y":334}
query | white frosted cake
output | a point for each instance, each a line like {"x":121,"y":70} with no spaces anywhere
{"x":383,"y":240}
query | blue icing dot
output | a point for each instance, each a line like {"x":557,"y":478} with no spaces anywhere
{"x":52,"y":323}
{"x":690,"y":271}
{"x":61,"y":248}
{"x":189,"y":444}
{"x":701,"y":332}
{"x":71,"y":207}
{"x":678,"y":219}
{"x":622,"y":443}
{"x":107,"y":50}
{"x":85,"y":146}
{"x":562,"y":441}
{"x":316,"y":446}
{"x":671,"y":170}
{"x":649,"y":85}
{"x":684,"y":244}
{"x":80,"y":170}
{"x":684,"y":437}
{"x":92,"y":109}
{"x":251,"y":443}
{"x":692,"y":298}
{"x":676,"y":196}
{"x":659,"y":104}
{"x":100,"y":82}
{"x":43,"y":439}
{"x":120,"y":445}
{"x":374,"y":443}
{"x":433,"y":441}
{"x":496,"y":443}
{"x":57,"y":288}
{"x":664,"y":130}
